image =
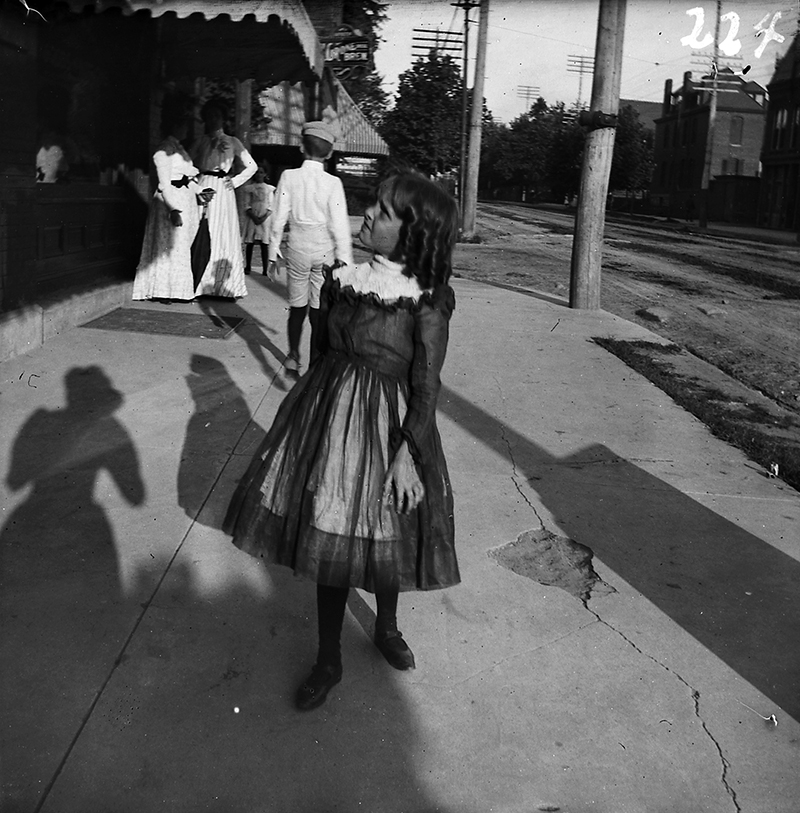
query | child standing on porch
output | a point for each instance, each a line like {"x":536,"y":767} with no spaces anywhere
{"x":258,"y":202}
{"x":312,"y":202}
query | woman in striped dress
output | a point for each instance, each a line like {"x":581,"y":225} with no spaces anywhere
{"x":214,"y":155}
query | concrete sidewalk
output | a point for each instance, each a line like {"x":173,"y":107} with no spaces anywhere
{"x":149,"y":665}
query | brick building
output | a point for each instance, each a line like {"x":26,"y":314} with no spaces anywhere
{"x":89,"y":79}
{"x":681,"y":138}
{"x":780,"y":187}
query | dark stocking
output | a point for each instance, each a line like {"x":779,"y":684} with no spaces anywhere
{"x":264,"y":255}
{"x":248,"y":254}
{"x":387,"y":611}
{"x":295,"y":329}
{"x":313,"y":317}
{"x":331,"y":603}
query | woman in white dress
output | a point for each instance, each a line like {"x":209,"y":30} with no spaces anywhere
{"x":215,"y":154}
{"x":165,"y":266}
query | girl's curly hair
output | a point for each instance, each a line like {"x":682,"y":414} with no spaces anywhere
{"x":429,"y":217}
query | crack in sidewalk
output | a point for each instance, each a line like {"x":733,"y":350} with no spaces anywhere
{"x":585,"y":597}
{"x":695,"y":694}
{"x":515,"y":480}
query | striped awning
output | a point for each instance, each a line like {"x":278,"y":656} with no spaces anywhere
{"x":266,"y":40}
{"x":284,"y":111}
{"x":356,"y":136}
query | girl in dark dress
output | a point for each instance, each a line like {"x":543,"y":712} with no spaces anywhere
{"x":350,"y":486}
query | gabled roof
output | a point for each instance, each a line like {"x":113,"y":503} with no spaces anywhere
{"x":788,"y":64}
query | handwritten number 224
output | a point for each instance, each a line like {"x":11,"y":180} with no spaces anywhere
{"x":730,"y":46}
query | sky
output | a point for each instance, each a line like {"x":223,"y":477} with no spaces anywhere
{"x":530,"y":42}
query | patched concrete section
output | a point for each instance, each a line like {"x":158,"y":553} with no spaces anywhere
{"x":552,"y":560}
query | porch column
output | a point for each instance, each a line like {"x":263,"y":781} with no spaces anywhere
{"x":243,"y":120}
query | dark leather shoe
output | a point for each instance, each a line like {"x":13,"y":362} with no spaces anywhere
{"x":396,"y":651}
{"x":315,"y":687}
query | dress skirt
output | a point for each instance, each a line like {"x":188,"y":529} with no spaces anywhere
{"x":165,"y":265}
{"x":312,"y":497}
{"x":224,"y":274}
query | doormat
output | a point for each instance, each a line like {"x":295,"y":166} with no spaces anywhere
{"x":164,"y":323}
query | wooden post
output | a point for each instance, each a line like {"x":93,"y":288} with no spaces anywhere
{"x":475,"y":127}
{"x":244,"y":90}
{"x":587,"y":244}
{"x":708,"y":158}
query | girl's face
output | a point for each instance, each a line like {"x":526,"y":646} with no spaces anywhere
{"x":380,"y":230}
{"x":259,"y":176}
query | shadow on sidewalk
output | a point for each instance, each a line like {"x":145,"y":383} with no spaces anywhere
{"x":97,"y":720}
{"x":255,"y":333}
{"x":200,"y":713}
{"x":735,"y":593}
{"x":57,"y":548}
{"x":219,"y":420}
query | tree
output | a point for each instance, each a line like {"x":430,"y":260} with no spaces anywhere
{"x":368,"y":93}
{"x":424,"y":126}
{"x":540,"y":151}
{"x":528,"y":146}
{"x":632,"y":164}
{"x":565,"y":158}
{"x":493,"y":138}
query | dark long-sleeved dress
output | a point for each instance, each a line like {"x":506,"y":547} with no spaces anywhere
{"x":312,"y":496}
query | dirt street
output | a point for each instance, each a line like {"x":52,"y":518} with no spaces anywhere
{"x":732,"y":302}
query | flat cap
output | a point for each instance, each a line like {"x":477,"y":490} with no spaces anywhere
{"x":319,"y":129}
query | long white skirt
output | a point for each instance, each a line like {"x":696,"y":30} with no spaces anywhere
{"x":224,"y":274}
{"x":165,"y":265}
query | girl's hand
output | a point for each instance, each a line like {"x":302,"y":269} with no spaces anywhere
{"x":402,"y":482}
{"x":272,"y":270}
{"x":252,"y":217}
{"x":175,"y":217}
{"x":228,"y":183}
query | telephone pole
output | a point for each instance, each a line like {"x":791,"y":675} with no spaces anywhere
{"x":475,"y":127}
{"x":426,"y":40}
{"x":712,"y":120}
{"x":581,"y":65}
{"x":528,"y":92}
{"x":587,"y":244}
{"x":467,"y":5}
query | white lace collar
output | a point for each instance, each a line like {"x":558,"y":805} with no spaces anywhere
{"x":381,"y":277}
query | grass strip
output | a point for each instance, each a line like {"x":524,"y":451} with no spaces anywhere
{"x":765,"y":437}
